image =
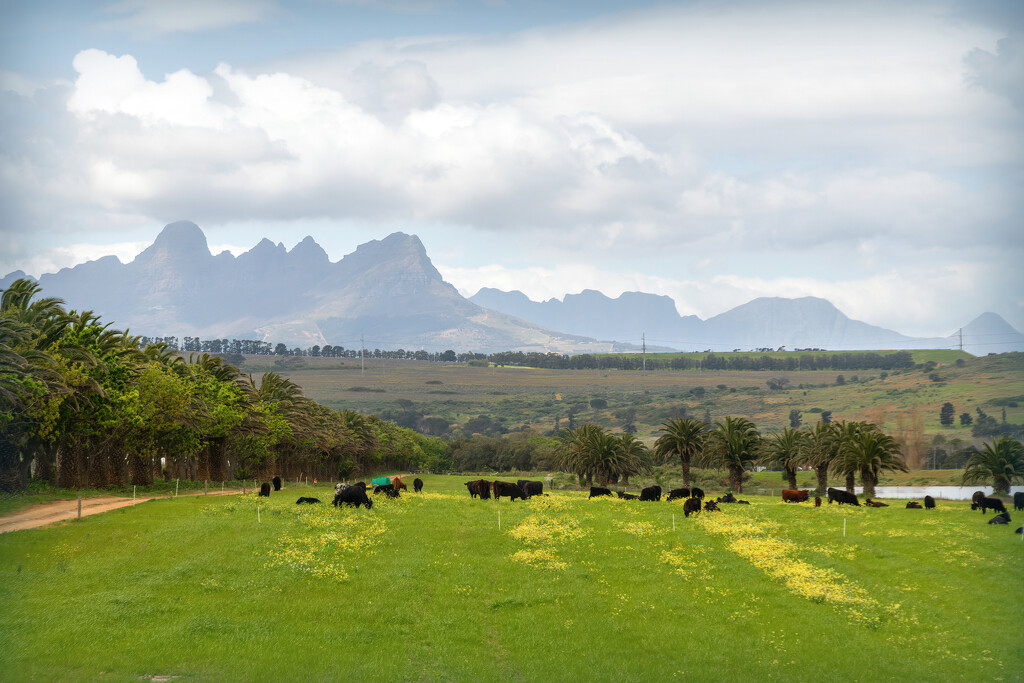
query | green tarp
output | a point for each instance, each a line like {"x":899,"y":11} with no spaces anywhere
{"x":381,"y":481}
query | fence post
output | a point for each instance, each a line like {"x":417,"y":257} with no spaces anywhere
{"x":176,"y":487}
{"x":133,"y":494}
{"x":79,"y":507}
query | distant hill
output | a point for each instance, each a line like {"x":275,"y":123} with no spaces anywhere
{"x":388,"y":293}
{"x":806,"y":322}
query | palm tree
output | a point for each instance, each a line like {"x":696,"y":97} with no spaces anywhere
{"x":1001,"y":462}
{"x":683,"y":438}
{"x":869,"y":452}
{"x":637,"y":456}
{"x":820,"y":452}
{"x":842,"y":433}
{"x":733,"y":444}
{"x":576,"y":452}
{"x":786,"y":449}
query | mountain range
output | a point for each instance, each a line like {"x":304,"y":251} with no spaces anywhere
{"x":388,"y":294}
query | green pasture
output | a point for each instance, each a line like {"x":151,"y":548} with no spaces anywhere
{"x":429,"y":587}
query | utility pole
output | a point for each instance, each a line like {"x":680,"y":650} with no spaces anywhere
{"x":643,"y":337}
{"x":961,"y":339}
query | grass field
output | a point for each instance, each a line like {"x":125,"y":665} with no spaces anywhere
{"x":906,"y":401}
{"x":429,"y":588}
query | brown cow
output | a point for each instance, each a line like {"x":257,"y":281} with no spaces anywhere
{"x":397,"y":483}
{"x":794,"y":496}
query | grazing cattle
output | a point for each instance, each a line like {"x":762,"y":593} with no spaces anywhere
{"x":678,"y":493}
{"x":265,"y":489}
{"x":817,"y":501}
{"x":841,"y":497}
{"x":691,"y":505}
{"x":626,"y":496}
{"x":743,"y":502}
{"x":913,"y":505}
{"x":729,"y":498}
{"x":697,"y":493}
{"x":711,"y":506}
{"x":1002,"y":518}
{"x":352,"y":495}
{"x":302,"y":500}
{"x":651,"y":493}
{"x":990,"y":504}
{"x":531,"y":488}
{"x":277,"y":483}
{"x":385,"y":488}
{"x":417,"y":484}
{"x":480,"y":487}
{"x":795,"y":496}
{"x":929,"y":502}
{"x":598,"y":491}
{"x":1018,"y":500}
{"x":507,"y":488}
{"x":397,"y":483}
{"x":875,"y":503}
{"x":976,"y":497}
{"x":1020,"y":530}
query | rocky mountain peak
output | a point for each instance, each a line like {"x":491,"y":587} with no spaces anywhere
{"x":180,"y":241}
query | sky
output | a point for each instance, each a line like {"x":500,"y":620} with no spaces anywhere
{"x":869,"y":153}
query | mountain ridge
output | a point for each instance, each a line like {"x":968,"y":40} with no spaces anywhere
{"x":389,"y":291}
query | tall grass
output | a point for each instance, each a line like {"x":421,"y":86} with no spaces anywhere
{"x":428,"y":587}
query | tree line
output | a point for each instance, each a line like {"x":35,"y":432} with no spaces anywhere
{"x":83,"y":404}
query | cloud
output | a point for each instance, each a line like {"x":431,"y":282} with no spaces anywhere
{"x":155,"y":17}
{"x":1002,"y":72}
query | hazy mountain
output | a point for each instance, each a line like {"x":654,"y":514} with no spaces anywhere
{"x":387,"y":292}
{"x":767,"y":322}
{"x":988,"y":333}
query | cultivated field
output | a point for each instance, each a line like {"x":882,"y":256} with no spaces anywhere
{"x":906,"y":401}
{"x":428,"y":587}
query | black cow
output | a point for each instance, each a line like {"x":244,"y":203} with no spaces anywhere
{"x":841,"y":496}
{"x":277,"y":483}
{"x":727,"y":498}
{"x":1002,"y":518}
{"x":678,"y":493}
{"x":711,"y":506}
{"x":598,"y":491}
{"x":913,"y":505}
{"x":651,"y":493}
{"x":302,"y":500}
{"x":1020,"y":530}
{"x":929,"y":502}
{"x":1018,"y":500}
{"x":691,"y":505}
{"x":697,"y":493}
{"x":743,"y":502}
{"x":875,"y":503}
{"x":531,"y":488}
{"x":626,"y":496}
{"x":507,"y":488}
{"x":417,"y":484}
{"x":352,"y":495}
{"x":989,"y":504}
{"x":480,"y":487}
{"x":265,"y":489}
{"x":388,"y":490}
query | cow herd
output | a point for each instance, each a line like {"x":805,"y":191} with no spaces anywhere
{"x":355,"y":495}
{"x":523,"y":488}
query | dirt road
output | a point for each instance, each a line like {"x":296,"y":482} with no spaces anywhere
{"x":49,"y":513}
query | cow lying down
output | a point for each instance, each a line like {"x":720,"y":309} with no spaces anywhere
{"x":304,"y":499}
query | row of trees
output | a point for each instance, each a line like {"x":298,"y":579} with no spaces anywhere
{"x":849,"y":450}
{"x":710,"y":361}
{"x":82,"y":404}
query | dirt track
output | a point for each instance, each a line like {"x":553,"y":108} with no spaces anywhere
{"x":49,"y":513}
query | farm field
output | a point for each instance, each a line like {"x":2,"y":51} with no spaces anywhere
{"x":428,"y":587}
{"x":905,"y":401}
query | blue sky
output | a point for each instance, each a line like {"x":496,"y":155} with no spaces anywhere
{"x":869,"y":153}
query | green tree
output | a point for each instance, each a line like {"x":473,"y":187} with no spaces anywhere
{"x":794,"y":418}
{"x":1000,"y":462}
{"x":786,"y":449}
{"x":946,"y":414}
{"x":682,"y":438}
{"x":868,"y":453}
{"x":733,"y":445}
